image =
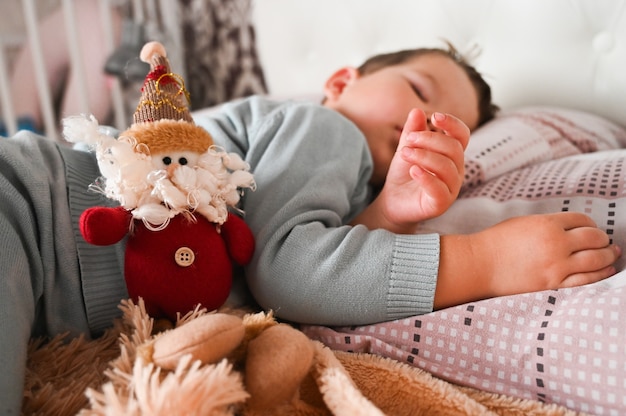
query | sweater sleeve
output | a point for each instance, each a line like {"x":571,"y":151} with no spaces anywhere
{"x":312,"y":167}
{"x":42,"y":291}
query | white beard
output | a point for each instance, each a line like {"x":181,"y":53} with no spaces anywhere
{"x":209,"y":189}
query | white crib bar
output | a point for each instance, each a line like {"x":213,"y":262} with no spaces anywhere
{"x":119,"y":113}
{"x":8,"y":114}
{"x":45,"y":96}
{"x":75,"y":55}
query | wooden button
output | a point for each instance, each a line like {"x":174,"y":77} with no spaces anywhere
{"x":184,"y":257}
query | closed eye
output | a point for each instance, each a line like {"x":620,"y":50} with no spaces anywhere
{"x":419,"y":93}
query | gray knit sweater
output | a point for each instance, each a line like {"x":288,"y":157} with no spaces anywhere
{"x":51,"y":280}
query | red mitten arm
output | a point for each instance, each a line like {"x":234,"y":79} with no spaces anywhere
{"x":104,"y":226}
{"x":239,"y":239}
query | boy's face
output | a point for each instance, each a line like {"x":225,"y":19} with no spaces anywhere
{"x":378,"y":103}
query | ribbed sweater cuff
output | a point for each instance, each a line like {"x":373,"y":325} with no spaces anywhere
{"x":414,"y":269}
{"x":101,"y":267}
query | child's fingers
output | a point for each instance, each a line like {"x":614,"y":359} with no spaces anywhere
{"x":438,"y":153}
{"x":591,"y":260}
{"x":570,"y":220}
{"x":415,"y":121}
{"x":436,"y":163}
{"x":436,"y":195}
{"x":451,"y":126}
{"x":580,"y":279}
{"x":434,"y":151}
{"x":592,"y":254}
{"x":585,"y":238}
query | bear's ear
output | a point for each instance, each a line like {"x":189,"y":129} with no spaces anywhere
{"x":276,"y":364}
{"x":104,"y":226}
{"x":208,"y":338}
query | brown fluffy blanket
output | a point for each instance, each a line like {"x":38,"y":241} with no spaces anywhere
{"x":107,"y":376}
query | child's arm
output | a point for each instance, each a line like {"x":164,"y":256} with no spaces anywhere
{"x":424,"y":177}
{"x":520,"y":255}
{"x":523,"y":254}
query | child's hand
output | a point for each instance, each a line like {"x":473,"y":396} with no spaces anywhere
{"x":425,"y":174}
{"x":523,"y":254}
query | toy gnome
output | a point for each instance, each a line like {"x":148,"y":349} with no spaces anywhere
{"x":176,"y":191}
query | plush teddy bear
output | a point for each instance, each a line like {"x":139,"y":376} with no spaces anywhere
{"x":176,"y":192}
{"x":226,"y":362}
{"x":238,"y":362}
{"x":274,"y":358}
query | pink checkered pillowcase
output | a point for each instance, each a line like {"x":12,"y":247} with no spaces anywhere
{"x":530,"y":135}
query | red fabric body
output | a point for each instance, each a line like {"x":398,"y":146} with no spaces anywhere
{"x":152,"y":273}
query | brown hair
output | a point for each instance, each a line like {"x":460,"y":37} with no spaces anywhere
{"x":486,"y":109}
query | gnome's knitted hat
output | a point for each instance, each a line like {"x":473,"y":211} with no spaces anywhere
{"x":163,"y":93}
{"x":162,"y":120}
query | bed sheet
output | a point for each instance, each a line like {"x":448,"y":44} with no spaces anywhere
{"x":563,"y":346}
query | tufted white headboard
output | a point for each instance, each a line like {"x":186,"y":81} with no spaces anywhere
{"x":568,"y":53}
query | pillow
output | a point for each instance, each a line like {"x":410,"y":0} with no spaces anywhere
{"x":529,"y":135}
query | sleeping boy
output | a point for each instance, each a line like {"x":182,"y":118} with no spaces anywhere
{"x":340,"y":188}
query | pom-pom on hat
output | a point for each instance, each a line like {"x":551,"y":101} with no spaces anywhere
{"x":163,"y":93}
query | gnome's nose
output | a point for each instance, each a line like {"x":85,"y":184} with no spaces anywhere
{"x":171,"y":168}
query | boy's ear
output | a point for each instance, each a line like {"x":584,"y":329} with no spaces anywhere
{"x":339,"y":80}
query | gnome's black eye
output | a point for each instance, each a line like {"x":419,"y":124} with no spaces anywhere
{"x":183,"y":161}
{"x":167,"y":160}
